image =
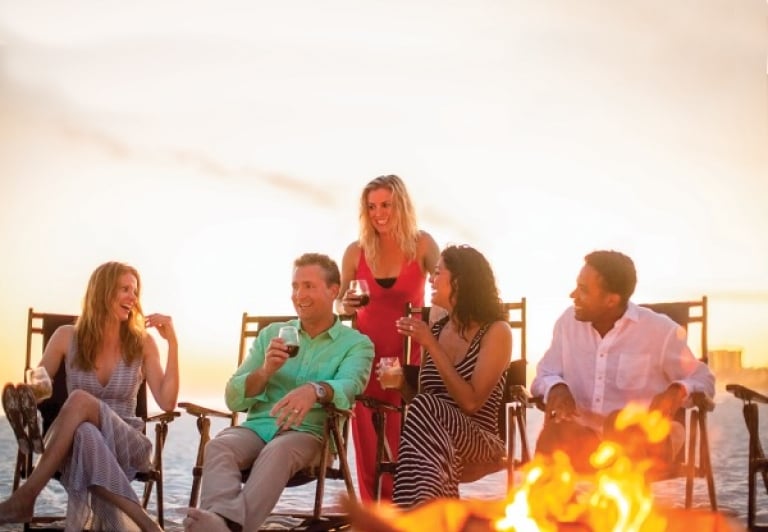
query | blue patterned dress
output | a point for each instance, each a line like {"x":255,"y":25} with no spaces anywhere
{"x":109,"y":455}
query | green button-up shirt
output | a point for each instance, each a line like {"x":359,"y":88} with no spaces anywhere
{"x":341,"y":357}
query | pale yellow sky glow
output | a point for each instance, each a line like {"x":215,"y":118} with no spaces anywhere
{"x":210,"y":144}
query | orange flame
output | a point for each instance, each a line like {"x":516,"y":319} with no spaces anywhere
{"x":552,"y":496}
{"x":616,"y":498}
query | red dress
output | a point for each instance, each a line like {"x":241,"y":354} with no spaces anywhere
{"x":377,"y":321}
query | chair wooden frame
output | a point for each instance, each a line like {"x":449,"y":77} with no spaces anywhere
{"x":757,"y":462}
{"x":42,"y":325}
{"x":694,"y":460}
{"x":334,"y":441}
{"x":512,"y":412}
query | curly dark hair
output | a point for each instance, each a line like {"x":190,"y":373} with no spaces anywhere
{"x":617,"y":270}
{"x":473,"y":287}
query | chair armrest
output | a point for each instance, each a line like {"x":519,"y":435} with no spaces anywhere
{"x":335,"y":411}
{"x":746,"y":394}
{"x":702,"y":402}
{"x":377,"y":404}
{"x":201,"y":411}
{"x":538,"y":402}
{"x":164,"y":417}
{"x":518,"y":392}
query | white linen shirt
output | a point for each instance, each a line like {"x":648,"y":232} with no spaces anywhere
{"x":638,"y":358}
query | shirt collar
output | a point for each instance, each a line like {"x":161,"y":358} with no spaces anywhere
{"x":632,"y":313}
{"x":333,"y":331}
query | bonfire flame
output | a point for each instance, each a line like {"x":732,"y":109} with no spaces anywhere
{"x":617,"y":497}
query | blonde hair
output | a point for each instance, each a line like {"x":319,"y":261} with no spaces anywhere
{"x":404,"y":228}
{"x":97,"y":309}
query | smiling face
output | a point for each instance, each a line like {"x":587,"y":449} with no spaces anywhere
{"x":125,"y":297}
{"x":591,"y":301}
{"x":440,"y":281}
{"x":312,"y":296}
{"x":381,"y":209}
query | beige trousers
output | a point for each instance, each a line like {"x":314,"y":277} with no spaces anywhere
{"x":272,"y":465}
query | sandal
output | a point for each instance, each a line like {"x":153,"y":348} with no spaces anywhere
{"x":28,"y":404}
{"x":12,"y":410}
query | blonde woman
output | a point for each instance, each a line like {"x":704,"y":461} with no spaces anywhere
{"x":96,"y":440}
{"x":395,"y":257}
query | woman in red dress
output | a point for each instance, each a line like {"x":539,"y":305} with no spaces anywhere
{"x":395,"y":258}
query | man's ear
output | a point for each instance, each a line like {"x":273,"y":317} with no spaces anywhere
{"x":335,"y":288}
{"x":614,"y":300}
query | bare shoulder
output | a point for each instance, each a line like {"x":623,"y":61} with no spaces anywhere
{"x":62,"y":336}
{"x":500,"y":329}
{"x":426,"y":242}
{"x":59,"y":343}
{"x":427,"y":251}
{"x":149,"y":342}
{"x":353,"y":249}
{"x":351,"y":256}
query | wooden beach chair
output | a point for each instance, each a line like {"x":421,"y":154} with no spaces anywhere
{"x":331,"y":461}
{"x":757,"y":462}
{"x":40,"y":327}
{"x":693,"y":461}
{"x":512,"y":411}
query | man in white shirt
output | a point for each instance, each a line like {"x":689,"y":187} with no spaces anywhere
{"x":607,"y":352}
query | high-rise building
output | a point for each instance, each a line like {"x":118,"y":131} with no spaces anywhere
{"x":725,"y":360}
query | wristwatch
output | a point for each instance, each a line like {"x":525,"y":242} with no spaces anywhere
{"x":319,"y":391}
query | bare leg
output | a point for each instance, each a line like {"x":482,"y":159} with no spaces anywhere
{"x":80,"y":407}
{"x":131,"y":509}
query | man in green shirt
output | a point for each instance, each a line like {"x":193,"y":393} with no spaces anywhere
{"x":283,"y":396}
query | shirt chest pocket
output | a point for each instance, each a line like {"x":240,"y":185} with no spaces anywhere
{"x":632,"y":370}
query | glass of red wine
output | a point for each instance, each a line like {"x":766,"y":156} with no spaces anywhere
{"x":358,"y":288}
{"x":290,"y":336}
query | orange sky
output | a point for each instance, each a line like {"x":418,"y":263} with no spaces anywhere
{"x":210,"y":149}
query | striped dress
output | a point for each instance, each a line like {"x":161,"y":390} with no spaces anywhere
{"x":438,"y":438}
{"x":109,"y":455}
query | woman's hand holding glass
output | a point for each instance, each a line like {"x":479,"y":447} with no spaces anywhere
{"x":390,"y":373}
{"x":40,"y":383}
{"x":357,"y":295}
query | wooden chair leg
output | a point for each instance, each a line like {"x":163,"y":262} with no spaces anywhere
{"x":511,"y":430}
{"x":705,"y":460}
{"x":690,"y":462}
{"x":751,"y":417}
{"x":525,"y":450}
{"x":320,"y":489}
{"x":204,"y":429}
{"x":384,"y":461}
{"x":341,"y":449}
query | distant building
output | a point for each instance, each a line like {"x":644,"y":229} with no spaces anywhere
{"x":725,"y":360}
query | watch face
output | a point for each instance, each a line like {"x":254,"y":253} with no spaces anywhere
{"x":319,"y":389}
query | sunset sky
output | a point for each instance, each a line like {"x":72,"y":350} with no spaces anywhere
{"x":209,"y":144}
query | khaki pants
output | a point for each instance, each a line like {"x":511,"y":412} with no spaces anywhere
{"x":272,"y":465}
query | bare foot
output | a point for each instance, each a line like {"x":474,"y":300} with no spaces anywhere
{"x":204,"y":521}
{"x":14,"y":512}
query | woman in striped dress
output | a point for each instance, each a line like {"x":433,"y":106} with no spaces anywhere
{"x":96,"y":441}
{"x":453,"y":419}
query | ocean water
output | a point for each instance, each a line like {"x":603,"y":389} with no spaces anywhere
{"x":728,"y":445}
